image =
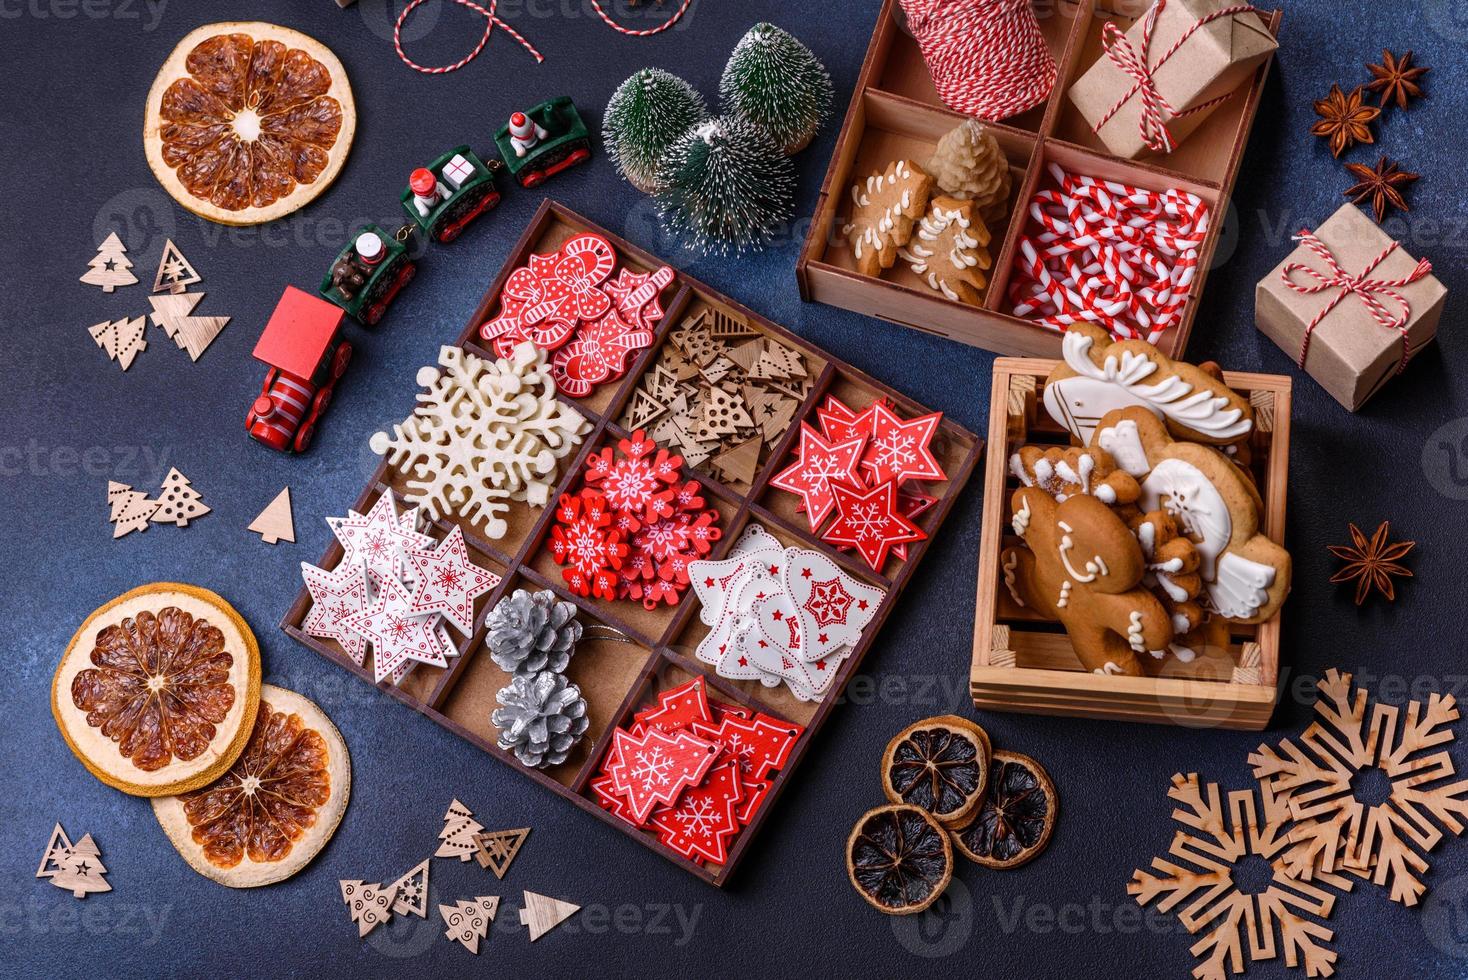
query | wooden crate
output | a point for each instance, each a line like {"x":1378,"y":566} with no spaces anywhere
{"x":895,"y":113}
{"x":1023,"y":664}
{"x":618,"y":678}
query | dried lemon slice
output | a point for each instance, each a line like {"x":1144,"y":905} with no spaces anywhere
{"x":247,"y":121}
{"x":276,"y":807}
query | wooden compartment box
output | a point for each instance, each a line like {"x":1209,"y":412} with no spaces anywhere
{"x":617,"y":678}
{"x":895,"y":113}
{"x":1023,"y":664}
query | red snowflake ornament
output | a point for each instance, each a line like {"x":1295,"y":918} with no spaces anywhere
{"x":871,"y":522}
{"x":635,"y":480}
{"x":584,"y":540}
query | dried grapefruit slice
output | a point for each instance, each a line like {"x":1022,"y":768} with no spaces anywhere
{"x":157,"y":691}
{"x":247,"y":121}
{"x":276,"y":807}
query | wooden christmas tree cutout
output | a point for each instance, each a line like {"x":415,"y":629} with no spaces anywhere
{"x":1387,"y":842}
{"x":174,"y":272}
{"x":275,"y":523}
{"x":410,"y":892}
{"x":178,"y":502}
{"x":173,"y":312}
{"x":739,"y":463}
{"x":459,"y":828}
{"x":498,"y":848}
{"x":130,"y":509}
{"x":123,"y":340}
{"x":542,"y":914}
{"x":469,"y":921}
{"x":110,"y":268}
{"x":76,"y":868}
{"x":370,"y":905}
{"x":1215,"y":843}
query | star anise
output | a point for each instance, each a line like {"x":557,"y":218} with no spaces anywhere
{"x":1381,"y":184}
{"x":1395,"y":79}
{"x":1372,"y":564}
{"x":1344,"y":119}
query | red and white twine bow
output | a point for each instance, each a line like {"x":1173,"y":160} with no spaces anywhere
{"x":491,"y":21}
{"x":1102,"y":252}
{"x":1367,"y":289}
{"x":1125,"y":56}
{"x":988,"y":58}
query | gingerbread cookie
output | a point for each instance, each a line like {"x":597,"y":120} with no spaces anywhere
{"x":884,"y":208}
{"x":1066,"y":471}
{"x":1084,"y":568}
{"x":1172,"y":568}
{"x":1099,"y":375}
{"x":951,"y":250}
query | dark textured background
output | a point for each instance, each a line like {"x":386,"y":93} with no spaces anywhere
{"x":71,"y":108}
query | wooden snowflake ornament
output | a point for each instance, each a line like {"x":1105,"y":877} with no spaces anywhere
{"x":1234,"y":923}
{"x":1386,"y":842}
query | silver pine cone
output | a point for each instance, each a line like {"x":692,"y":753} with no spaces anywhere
{"x":528,"y":632}
{"x":542,"y":718}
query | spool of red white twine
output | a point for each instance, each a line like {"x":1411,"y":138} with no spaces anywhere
{"x":988,"y":58}
{"x":1103,"y":252}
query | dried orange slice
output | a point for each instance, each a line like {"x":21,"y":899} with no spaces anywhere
{"x":247,"y":121}
{"x":1017,"y":817}
{"x":899,"y":859}
{"x":940,"y":764}
{"x":276,"y":807}
{"x":157,"y":691}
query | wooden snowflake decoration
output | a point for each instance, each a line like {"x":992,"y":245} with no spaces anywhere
{"x":1385,"y":842}
{"x":1202,"y":883}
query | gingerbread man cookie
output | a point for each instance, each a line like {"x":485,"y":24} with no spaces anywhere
{"x":884,"y":208}
{"x":1099,"y":375}
{"x":1172,"y":569}
{"x":1084,"y":567}
{"x":1245,"y":575}
{"x":1066,"y":471}
{"x":951,"y":250}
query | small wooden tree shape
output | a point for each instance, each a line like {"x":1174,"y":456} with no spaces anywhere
{"x":496,"y":849}
{"x":542,"y":914}
{"x":369,"y":905}
{"x":57,"y":848}
{"x":468,"y":921}
{"x":174,"y":272}
{"x":110,"y":268}
{"x":411,"y":892}
{"x":275,"y":522}
{"x":130,"y":509}
{"x":173,"y":312}
{"x":178,"y":502}
{"x":81,"y":870}
{"x":459,"y":828}
{"x":123,"y":340}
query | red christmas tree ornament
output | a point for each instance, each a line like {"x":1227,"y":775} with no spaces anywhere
{"x":655,"y":767}
{"x":679,"y":707}
{"x":704,"y":819}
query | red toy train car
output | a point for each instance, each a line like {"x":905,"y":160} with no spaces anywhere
{"x":303,"y":348}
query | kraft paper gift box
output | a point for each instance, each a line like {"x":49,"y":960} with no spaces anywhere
{"x":1351,"y":352}
{"x":1197,"y":57}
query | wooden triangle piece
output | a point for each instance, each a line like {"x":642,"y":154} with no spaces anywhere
{"x":275,"y":523}
{"x":778,"y":419}
{"x":175,"y":274}
{"x":542,"y":914}
{"x":497,"y":848}
{"x":642,"y":410}
{"x":739,"y":463}
{"x":410,"y":892}
{"x":728,"y":326}
{"x":56,"y":848}
{"x":746,"y":355}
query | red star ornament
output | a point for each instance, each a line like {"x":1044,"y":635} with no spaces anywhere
{"x":910,"y":504}
{"x":655,"y":767}
{"x":679,"y":707}
{"x":396,"y":633}
{"x":599,"y":353}
{"x":448,"y":582}
{"x":636,"y":295}
{"x":705,"y":818}
{"x":869,"y":521}
{"x":820,"y":462}
{"x":584,"y":540}
{"x":839,"y":422}
{"x":336,"y":596}
{"x":901,"y":450}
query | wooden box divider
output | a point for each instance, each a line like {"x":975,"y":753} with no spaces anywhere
{"x":895,"y":112}
{"x":616,"y":678}
{"x":1024,"y":664}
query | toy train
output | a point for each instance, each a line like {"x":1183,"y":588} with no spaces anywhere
{"x":302,"y":343}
